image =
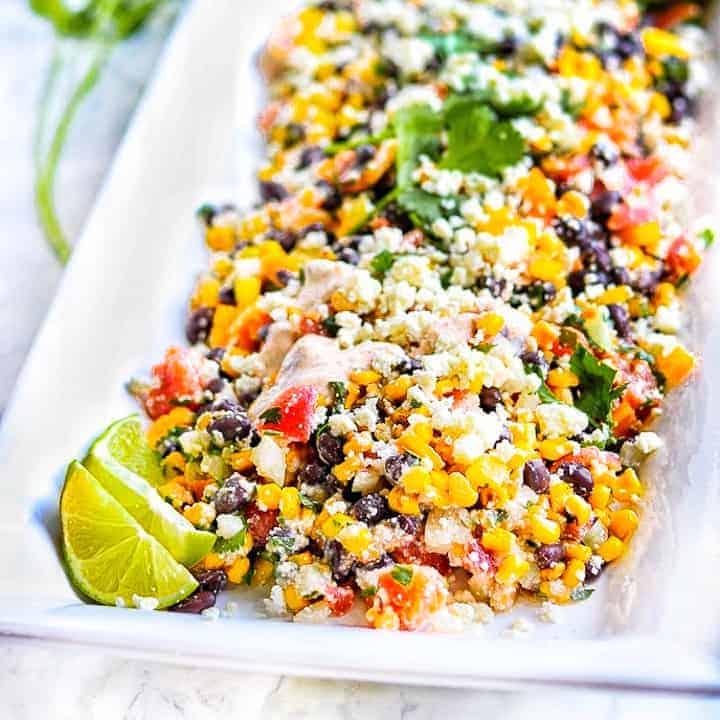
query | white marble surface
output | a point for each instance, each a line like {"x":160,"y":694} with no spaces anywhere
{"x":53,"y":682}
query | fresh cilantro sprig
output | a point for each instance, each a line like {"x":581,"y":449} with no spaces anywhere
{"x":545,"y":394}
{"x":339,"y":390}
{"x":272,"y":415}
{"x":381,"y":263}
{"x":595,"y":393}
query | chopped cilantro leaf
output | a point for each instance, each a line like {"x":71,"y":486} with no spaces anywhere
{"x":305,"y":501}
{"x":477,"y":141}
{"x":418,"y":129}
{"x":595,"y":393}
{"x":357,"y":141}
{"x":382,"y":262}
{"x":581,"y":593}
{"x":707,"y":236}
{"x":272,"y":415}
{"x":330,"y":325}
{"x":545,"y":394}
{"x":231,"y":544}
{"x":460,"y":41}
{"x":424,"y":207}
{"x":402,"y":574}
{"x":368,"y":592}
{"x":340,"y":392}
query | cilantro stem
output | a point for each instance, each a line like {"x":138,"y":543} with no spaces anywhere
{"x":47,"y":169}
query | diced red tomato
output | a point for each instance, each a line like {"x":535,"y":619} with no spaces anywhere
{"x":624,"y":216}
{"x":676,"y":15}
{"x":414,"y":602}
{"x":477,"y":560}
{"x":308,"y":326}
{"x":260,"y":522}
{"x":650,"y":170}
{"x":682,"y":257}
{"x":590,"y":456}
{"x":339,"y":599}
{"x":414,"y":552}
{"x":177,"y":381}
{"x":295,"y":407}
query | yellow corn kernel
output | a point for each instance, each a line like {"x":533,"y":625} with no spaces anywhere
{"x":262,"y":572}
{"x":628,"y":484}
{"x":268,"y":495}
{"x":355,"y":539}
{"x":397,"y":389}
{"x":645,"y":235}
{"x":487,"y":470}
{"x":212,"y":561}
{"x":445,"y":387}
{"x":200,"y":514}
{"x":174,"y":461}
{"x":416,"y":480}
{"x":557,"y":592}
{"x":676,"y":365}
{"x":664,"y":294}
{"x":242,"y":460}
{"x":575,"y":573}
{"x":623,"y":523}
{"x":238,"y":570}
{"x":497,"y":539}
{"x":578,"y":551}
{"x":543,"y":530}
{"x":223,"y":319}
{"x":511,"y":569}
{"x":347,"y":468}
{"x":556,"y":448}
{"x":303,"y":558}
{"x":660,"y":43}
{"x":403,"y":503}
{"x":524,"y":435}
{"x":207,"y":293}
{"x":460,"y":491}
{"x":353,"y":393}
{"x":554,"y":572}
{"x":546,"y":269}
{"x":600,"y":496}
{"x":290,"y":503}
{"x":177,"y":494}
{"x":560,"y":378}
{"x":611,"y":549}
{"x":294,"y":601}
{"x":220,"y":238}
{"x":365,"y":377}
{"x":580,"y":509}
{"x":619,"y":294}
{"x":222,"y":266}
{"x":357,"y":444}
{"x":177,"y":417}
{"x":247,"y":291}
{"x":490,"y":323}
{"x":559,"y":493}
{"x":573,"y":203}
{"x":385,"y":619}
{"x":412,"y":442}
{"x":545,"y":334}
{"x":334,"y":524}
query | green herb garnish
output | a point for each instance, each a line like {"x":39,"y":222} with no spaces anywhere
{"x":402,"y":574}
{"x":595,"y":394}
{"x":272,"y":415}
{"x":382,"y":262}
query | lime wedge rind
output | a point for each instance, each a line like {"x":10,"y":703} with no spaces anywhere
{"x":114,"y":571}
{"x":115,"y":459}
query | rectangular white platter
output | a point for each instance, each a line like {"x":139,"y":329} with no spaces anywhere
{"x":653,"y":621}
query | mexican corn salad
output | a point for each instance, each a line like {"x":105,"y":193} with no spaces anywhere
{"x":421,"y":370}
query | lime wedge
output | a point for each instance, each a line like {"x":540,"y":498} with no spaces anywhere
{"x":109,"y":556}
{"x":126,"y":466}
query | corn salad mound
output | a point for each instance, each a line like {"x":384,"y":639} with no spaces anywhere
{"x":422,"y":368}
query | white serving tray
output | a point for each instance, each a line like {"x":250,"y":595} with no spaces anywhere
{"x":653,"y":621}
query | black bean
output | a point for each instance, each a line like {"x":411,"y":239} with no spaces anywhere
{"x":535,"y":358}
{"x":313,"y":474}
{"x":383,"y":561}
{"x":198,"y":325}
{"x":216,"y":385}
{"x":310,"y":155}
{"x":371,"y":509}
{"x":215,"y":581}
{"x":628,"y":44}
{"x":340,"y":561}
{"x":505,"y":436}
{"x":330,"y":448}
{"x":409,"y":524}
{"x":621,"y":320}
{"x":593,"y":571}
{"x":225,"y":404}
{"x":604,"y":204}
{"x":536,"y":476}
{"x":647,"y":281}
{"x":168,"y":445}
{"x":620,"y":276}
{"x":286,"y":238}
{"x":364,"y":153}
{"x":272,"y":191}
{"x":349,"y":256}
{"x":396,"y":465}
{"x":681,"y":107}
{"x":216,"y":354}
{"x":490,"y":398}
{"x":578,"y":476}
{"x":506,"y":46}
{"x":333,"y":198}
{"x":576,"y":281}
{"x":548,"y":555}
{"x":197,"y":602}
{"x":570,"y":230}
{"x":409,"y":365}
{"x":294,"y":133}
{"x":227,"y":295}
{"x":231,"y":425}
{"x":232,"y":495}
